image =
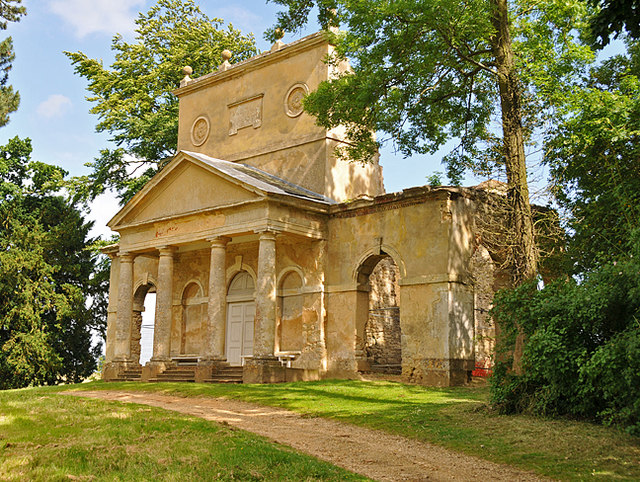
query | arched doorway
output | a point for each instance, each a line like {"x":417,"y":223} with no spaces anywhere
{"x":142,"y":323}
{"x":378,"y":331}
{"x":241,"y":313}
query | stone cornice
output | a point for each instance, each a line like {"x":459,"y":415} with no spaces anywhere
{"x":253,"y":63}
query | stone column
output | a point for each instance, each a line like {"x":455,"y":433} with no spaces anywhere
{"x":265,"y":324}
{"x":164,"y":305}
{"x":217,"y":303}
{"x":125,"y":309}
{"x":112,"y":310}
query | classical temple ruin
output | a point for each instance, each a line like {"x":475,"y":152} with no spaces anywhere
{"x":273,"y":260}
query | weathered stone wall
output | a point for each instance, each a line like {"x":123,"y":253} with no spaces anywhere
{"x":136,"y":325}
{"x":382,"y":331}
{"x":482,"y":270}
{"x":188,"y":320}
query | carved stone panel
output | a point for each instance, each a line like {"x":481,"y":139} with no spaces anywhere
{"x":293,"y":99}
{"x":200,"y":131}
{"x":245,"y":113}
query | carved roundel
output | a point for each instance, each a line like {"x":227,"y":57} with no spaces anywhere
{"x":293,"y":99}
{"x":200,"y":131}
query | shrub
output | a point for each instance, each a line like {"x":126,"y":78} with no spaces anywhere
{"x":582,"y":351}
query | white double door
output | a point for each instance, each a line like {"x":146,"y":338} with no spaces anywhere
{"x":240,"y":319}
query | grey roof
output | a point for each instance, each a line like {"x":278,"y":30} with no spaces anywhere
{"x":259,"y":179}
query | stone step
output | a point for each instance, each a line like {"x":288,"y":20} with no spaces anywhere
{"x":222,"y":379}
{"x":161,"y":378}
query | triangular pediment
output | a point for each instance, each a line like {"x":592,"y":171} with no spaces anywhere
{"x":185,"y":186}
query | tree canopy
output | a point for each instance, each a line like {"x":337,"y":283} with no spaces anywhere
{"x":593,"y":155}
{"x":614,"y":17}
{"x":428,"y":71}
{"x":10,"y":11}
{"x":582,"y":356}
{"x":47,"y":273}
{"x":133,"y":98}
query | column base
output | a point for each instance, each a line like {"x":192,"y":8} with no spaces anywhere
{"x":111,"y":371}
{"x":438,"y":372}
{"x":154,"y":367}
{"x":207,"y":367}
{"x":263,"y":370}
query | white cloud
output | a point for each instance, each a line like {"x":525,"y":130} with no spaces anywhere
{"x":98,"y":16}
{"x":55,"y":106}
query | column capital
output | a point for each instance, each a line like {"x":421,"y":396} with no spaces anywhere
{"x":126,"y":256}
{"x":267,"y":234}
{"x":166,"y":250}
{"x":219,"y":241}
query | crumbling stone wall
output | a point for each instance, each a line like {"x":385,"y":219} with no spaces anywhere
{"x":136,"y":325}
{"x":483,"y":273}
{"x":382,"y":330}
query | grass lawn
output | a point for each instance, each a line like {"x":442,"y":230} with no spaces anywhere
{"x":452,"y":417}
{"x":45,"y":436}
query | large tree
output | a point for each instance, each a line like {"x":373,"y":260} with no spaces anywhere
{"x":133,"y":98}
{"x":594,"y":156}
{"x":47,"y":274}
{"x":426,"y":71}
{"x":10,"y":11}
{"x":614,"y":17}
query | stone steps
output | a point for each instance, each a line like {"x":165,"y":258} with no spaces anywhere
{"x":227,"y":375}
{"x":130,"y":375}
{"x":176,"y":374}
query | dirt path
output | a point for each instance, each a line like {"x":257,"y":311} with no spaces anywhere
{"x":372,"y":453}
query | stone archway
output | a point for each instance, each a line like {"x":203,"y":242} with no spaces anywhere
{"x":378,"y":331}
{"x":139,"y":298}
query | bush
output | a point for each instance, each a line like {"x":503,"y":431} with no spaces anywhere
{"x":582,"y":351}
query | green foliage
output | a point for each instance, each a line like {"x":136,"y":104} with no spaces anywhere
{"x":46,"y":275}
{"x":133,"y":99}
{"x":424,"y":72}
{"x":10,"y":11}
{"x":593,"y":155}
{"x":435,"y":179}
{"x":581,"y":355}
{"x":613,"y":18}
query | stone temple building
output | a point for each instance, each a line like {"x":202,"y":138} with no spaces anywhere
{"x":273,"y":260}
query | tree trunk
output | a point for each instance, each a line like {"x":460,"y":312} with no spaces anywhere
{"x":524,"y":249}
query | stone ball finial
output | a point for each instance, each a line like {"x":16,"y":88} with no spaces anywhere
{"x":278,"y":33}
{"x":187,"y":71}
{"x":226,"y":55}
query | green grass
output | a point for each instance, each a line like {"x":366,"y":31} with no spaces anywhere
{"x":45,"y":436}
{"x":456,"y":418}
